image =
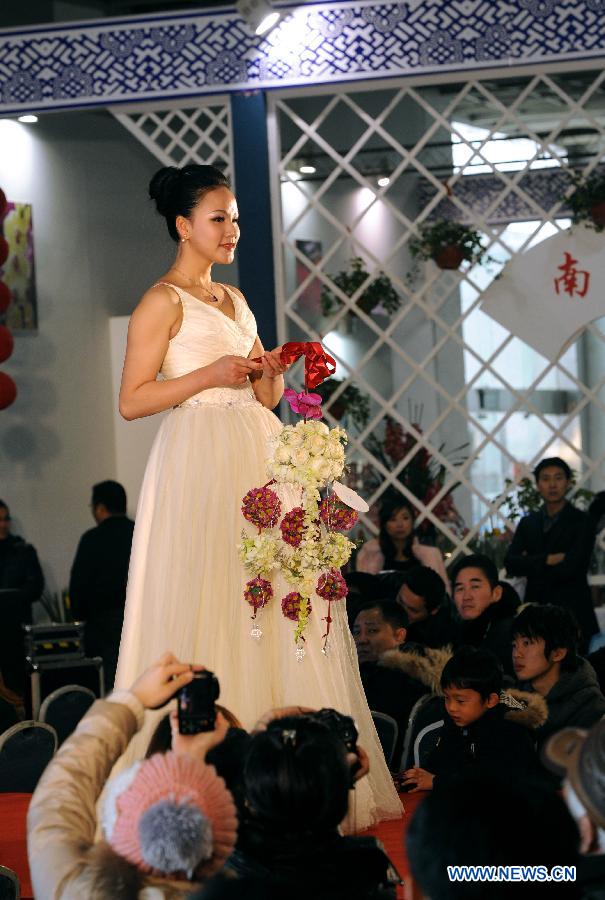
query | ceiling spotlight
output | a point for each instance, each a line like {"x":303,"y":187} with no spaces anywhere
{"x":259,"y":15}
{"x":29,"y":119}
{"x":307,"y":170}
{"x":382,"y":182}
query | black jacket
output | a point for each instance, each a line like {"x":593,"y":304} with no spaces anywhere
{"x":392,"y":692}
{"x":20,"y":569}
{"x":493,"y":742}
{"x":492,"y":630}
{"x":100,"y":570}
{"x":575,"y":701}
{"x":566,"y":583}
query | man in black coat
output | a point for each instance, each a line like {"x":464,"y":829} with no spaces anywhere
{"x":97,"y":587}
{"x":423,"y":597}
{"x":552,"y":549}
{"x":21,"y":582}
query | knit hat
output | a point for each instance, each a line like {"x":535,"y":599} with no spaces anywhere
{"x":170,"y":814}
{"x":580,"y":755}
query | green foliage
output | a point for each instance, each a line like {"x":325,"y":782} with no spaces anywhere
{"x":436,"y":236}
{"x":355,"y":404}
{"x":379,"y":291}
{"x":588,"y":193}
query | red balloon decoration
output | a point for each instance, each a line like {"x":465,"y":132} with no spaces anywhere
{"x":5,"y":296}
{"x":6,"y":343}
{"x":3,"y":250}
{"x":8,"y":390}
{"x":3,"y":203}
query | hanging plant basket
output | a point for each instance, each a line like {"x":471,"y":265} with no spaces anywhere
{"x":350,"y":401}
{"x":378,"y":292}
{"x":449,"y":257}
{"x":588,"y":200}
{"x":448,"y":243}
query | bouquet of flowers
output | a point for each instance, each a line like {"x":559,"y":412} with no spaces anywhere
{"x":306,"y":544}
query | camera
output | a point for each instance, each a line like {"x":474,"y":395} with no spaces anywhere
{"x":342,"y":726}
{"x":196,"y":703}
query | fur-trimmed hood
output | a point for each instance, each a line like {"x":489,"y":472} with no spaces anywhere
{"x":425,"y":664}
{"x":110,"y":875}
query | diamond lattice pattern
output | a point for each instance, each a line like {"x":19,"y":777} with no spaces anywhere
{"x":469,"y":396}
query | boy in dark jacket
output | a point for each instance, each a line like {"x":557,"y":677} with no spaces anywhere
{"x":484,"y":728}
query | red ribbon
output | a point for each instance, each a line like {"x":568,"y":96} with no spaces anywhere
{"x":319,"y":365}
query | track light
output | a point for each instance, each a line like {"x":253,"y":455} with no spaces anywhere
{"x":307,"y":170}
{"x":28,"y":119}
{"x":259,"y":15}
{"x":382,"y":182}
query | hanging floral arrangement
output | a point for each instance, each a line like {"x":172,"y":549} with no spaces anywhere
{"x":306,"y":545}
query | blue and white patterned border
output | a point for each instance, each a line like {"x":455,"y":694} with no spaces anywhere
{"x":166,"y":57}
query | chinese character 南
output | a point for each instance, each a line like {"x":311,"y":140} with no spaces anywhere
{"x":573,"y":282}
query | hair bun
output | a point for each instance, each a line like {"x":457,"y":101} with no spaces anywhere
{"x":162,"y":186}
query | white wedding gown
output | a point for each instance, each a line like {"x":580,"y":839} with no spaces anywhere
{"x":186,"y":581}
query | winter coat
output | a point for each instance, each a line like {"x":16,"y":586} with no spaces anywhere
{"x":566,"y":583}
{"x":574,"y":701}
{"x":20,"y":571}
{"x":502,"y":740}
{"x":423,"y":665}
{"x":437,"y":630}
{"x":65,"y":861}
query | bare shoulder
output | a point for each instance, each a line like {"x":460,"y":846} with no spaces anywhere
{"x":159,"y":304}
{"x":236,"y":291}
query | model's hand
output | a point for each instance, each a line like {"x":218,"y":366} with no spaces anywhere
{"x":420,"y":778}
{"x":553,"y":559}
{"x":161,"y":681}
{"x":231,"y":370}
{"x":197,"y":745}
{"x":282,"y":713}
{"x":272,"y":364}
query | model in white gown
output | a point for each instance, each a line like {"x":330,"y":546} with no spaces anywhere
{"x":186,"y":580}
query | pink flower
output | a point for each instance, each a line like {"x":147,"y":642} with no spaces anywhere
{"x":307,"y":405}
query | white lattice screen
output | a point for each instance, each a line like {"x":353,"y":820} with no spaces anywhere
{"x":179,"y":133}
{"x":494,"y":152}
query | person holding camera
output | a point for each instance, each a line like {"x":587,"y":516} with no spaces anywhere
{"x":168,"y":822}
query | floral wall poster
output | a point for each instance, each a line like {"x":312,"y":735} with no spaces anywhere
{"x":19,"y":270}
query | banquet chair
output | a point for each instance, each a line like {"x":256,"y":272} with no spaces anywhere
{"x":423,"y":731}
{"x":388,"y":733}
{"x":9,"y":884}
{"x":25,"y":751}
{"x":64,"y":708}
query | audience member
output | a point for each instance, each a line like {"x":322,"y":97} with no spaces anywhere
{"x":552,"y":548}
{"x":485,"y":612}
{"x":545,"y":660}
{"x":579,"y":756}
{"x":168,"y":822}
{"x":487,"y":818}
{"x":21,"y":582}
{"x":485,"y":728}
{"x":97,"y":587}
{"x":396,"y":546}
{"x":389,"y":689}
{"x":423,"y":597}
{"x":297,"y":778}
{"x":363,"y":589}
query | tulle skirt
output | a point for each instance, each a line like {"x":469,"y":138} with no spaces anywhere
{"x":185,"y":590}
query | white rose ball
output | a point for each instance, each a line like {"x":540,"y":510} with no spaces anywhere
{"x":300,"y":457}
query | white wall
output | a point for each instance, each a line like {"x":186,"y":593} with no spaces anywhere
{"x":98,"y":245}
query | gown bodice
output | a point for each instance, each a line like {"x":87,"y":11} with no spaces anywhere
{"x":205,"y":335}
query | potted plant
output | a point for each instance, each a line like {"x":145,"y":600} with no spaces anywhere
{"x":379,"y":291}
{"x":447,"y":243}
{"x":588,"y":200}
{"x":524,"y":498}
{"x":350,"y":401}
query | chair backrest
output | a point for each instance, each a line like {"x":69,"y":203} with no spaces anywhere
{"x":9,"y":884}
{"x":25,"y":751}
{"x":421,"y":736}
{"x":388,"y":734}
{"x":64,"y":708}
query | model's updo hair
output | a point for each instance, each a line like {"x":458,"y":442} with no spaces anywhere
{"x":177,"y":191}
